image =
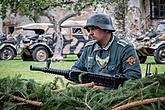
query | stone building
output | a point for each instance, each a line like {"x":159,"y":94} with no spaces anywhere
{"x":144,"y":14}
{"x":141,"y":15}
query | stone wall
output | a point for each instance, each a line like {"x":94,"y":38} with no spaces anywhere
{"x":137,"y":20}
{"x":58,"y":13}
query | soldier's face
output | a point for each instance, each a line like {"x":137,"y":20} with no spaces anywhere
{"x":96,"y":33}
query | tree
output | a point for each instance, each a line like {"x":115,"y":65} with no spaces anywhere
{"x":36,"y":8}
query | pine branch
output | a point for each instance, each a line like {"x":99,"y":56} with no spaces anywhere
{"x":31,"y":102}
{"x":137,"y":92}
{"x":77,"y":85}
{"x":138,"y":103}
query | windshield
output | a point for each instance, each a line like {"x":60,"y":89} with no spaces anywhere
{"x":23,"y":32}
{"x":161,"y":27}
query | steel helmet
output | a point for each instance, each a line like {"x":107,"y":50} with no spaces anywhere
{"x":103,"y":21}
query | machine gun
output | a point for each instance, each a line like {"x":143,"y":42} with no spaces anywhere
{"x":99,"y":79}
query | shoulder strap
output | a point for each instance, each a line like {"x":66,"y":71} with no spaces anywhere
{"x":122,"y":42}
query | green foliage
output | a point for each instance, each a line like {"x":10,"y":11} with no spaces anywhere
{"x":33,"y":8}
{"x":76,"y":98}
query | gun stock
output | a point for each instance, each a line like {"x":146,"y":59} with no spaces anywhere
{"x":102,"y":79}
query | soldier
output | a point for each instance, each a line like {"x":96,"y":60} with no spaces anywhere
{"x":106,"y":53}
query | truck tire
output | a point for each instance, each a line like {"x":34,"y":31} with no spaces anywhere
{"x":142,"y":59}
{"x":7,"y":53}
{"x":159,"y":54}
{"x":40,"y":54}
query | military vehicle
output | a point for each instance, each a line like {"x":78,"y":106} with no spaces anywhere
{"x":7,"y":48}
{"x":37,"y":41}
{"x":75,"y":37}
{"x":152,"y":44}
{"x":40,"y":46}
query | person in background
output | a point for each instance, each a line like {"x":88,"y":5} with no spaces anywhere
{"x":106,"y":53}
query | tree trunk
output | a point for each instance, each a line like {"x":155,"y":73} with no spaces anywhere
{"x":133,"y":18}
{"x":57,"y":55}
{"x":58,"y":38}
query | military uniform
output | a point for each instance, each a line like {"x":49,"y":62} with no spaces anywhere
{"x":117,"y":58}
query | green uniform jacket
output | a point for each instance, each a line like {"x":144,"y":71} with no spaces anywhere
{"x":120,"y":59}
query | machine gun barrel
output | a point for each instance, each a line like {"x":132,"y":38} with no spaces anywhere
{"x":68,"y":74}
{"x":50,"y":70}
{"x":102,"y":79}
